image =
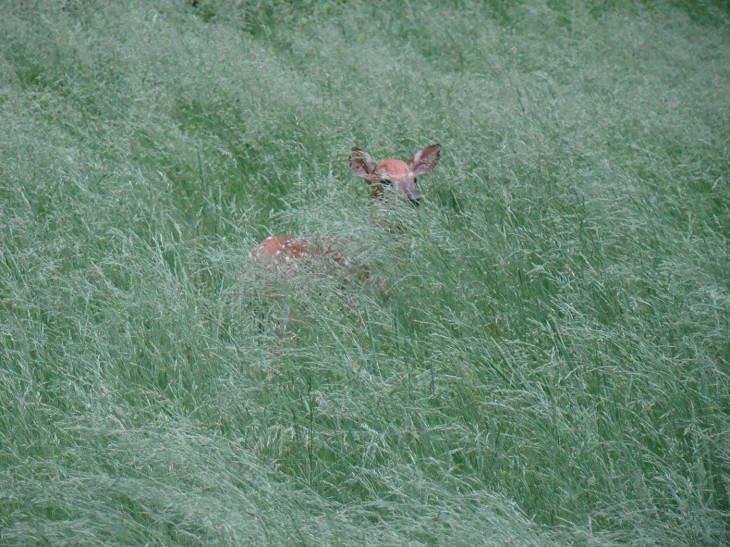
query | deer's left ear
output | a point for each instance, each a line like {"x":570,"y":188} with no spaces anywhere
{"x":363,"y":165}
{"x":425,"y":159}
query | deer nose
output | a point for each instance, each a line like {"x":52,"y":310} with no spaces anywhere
{"x":411,"y":194}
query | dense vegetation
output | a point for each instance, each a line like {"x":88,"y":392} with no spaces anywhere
{"x":540,"y":355}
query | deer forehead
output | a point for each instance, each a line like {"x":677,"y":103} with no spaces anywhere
{"x":394,"y":169}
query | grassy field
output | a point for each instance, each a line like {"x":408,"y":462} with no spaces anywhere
{"x":539,"y":357}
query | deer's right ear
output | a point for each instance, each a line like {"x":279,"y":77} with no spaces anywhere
{"x":363,"y":165}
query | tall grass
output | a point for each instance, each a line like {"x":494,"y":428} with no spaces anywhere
{"x":540,"y":355}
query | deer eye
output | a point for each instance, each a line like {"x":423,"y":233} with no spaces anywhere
{"x":386,"y":182}
{"x":415,"y":180}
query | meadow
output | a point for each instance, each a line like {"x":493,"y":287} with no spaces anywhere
{"x":539,"y":356}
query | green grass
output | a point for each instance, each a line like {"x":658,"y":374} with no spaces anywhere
{"x":539,"y":357}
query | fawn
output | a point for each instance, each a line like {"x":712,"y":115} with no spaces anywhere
{"x":283,"y":252}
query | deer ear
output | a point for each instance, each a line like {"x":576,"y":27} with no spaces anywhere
{"x":363,"y":165}
{"x":425,"y":159}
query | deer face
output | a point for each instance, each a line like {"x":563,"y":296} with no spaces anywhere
{"x":398,"y":175}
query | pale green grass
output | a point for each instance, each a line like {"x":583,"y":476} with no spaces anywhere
{"x":539,"y":357}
